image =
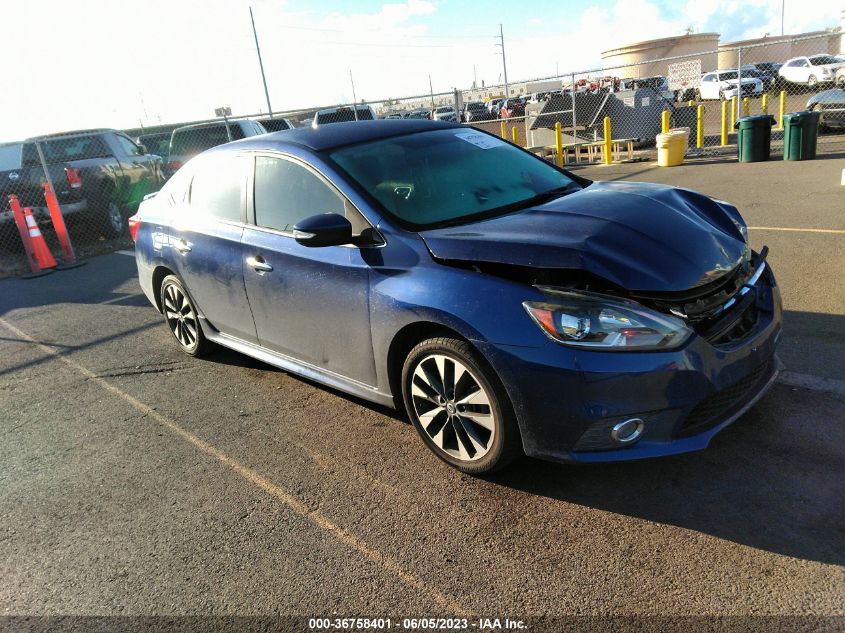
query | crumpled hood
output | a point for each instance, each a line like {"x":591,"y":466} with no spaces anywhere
{"x":640,"y":236}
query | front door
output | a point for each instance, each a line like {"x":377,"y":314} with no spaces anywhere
{"x":311,"y":304}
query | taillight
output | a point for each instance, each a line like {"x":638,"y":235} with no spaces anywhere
{"x":173,"y":165}
{"x":73,"y":177}
{"x":134,"y":223}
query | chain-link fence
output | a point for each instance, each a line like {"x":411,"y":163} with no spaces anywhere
{"x":68,"y":195}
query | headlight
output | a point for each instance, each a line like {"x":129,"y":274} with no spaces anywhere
{"x":598,"y":322}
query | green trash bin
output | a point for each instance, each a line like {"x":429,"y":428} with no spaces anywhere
{"x":800,"y":132}
{"x":754,"y":137}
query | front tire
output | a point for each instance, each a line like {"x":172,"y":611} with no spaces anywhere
{"x":459,"y":406}
{"x":181,"y":317}
{"x":812,"y":82}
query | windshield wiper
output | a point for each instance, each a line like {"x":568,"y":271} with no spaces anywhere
{"x":545,"y":196}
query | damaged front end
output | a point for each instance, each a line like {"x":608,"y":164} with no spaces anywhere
{"x":723,"y":311}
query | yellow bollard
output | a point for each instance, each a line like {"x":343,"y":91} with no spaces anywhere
{"x":764,"y":105}
{"x":699,"y":126}
{"x":724,"y":123}
{"x":664,"y":121}
{"x":745,"y":106}
{"x":733,"y":112}
{"x":782,"y":108}
{"x":607,"y":138}
{"x":515,"y":134}
{"x":689,"y":103}
{"x":504,"y":132}
{"x":558,"y":145}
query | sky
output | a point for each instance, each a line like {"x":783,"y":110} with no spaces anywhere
{"x":110,"y":63}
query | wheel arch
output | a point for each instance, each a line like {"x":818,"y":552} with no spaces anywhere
{"x":159,"y":273}
{"x":404,"y":341}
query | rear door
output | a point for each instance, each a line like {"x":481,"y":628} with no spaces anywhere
{"x":205,"y":242}
{"x":311,"y":304}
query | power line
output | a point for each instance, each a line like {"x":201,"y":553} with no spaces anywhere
{"x":324,"y":30}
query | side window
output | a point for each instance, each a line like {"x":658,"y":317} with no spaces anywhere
{"x":708,"y":78}
{"x":126,"y":146}
{"x":218,"y":186}
{"x":286,"y":192}
{"x":236,"y":130}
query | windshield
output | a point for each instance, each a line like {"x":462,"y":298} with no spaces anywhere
{"x":10,"y":156}
{"x":442,"y":177}
{"x":729,"y":75}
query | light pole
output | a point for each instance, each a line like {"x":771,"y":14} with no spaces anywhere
{"x":260,"y":64}
{"x":504,"y":62}
{"x":354,"y":98}
{"x":431,"y":92}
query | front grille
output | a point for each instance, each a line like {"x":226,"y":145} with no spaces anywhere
{"x":747,"y":89}
{"x":711,"y":411}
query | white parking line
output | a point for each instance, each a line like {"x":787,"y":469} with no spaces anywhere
{"x":316,"y":517}
{"x":130,"y":253}
{"x":793,"y":230}
{"x":815,"y":383}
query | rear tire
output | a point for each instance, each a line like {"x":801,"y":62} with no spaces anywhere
{"x":812,"y":82}
{"x":181,"y":318}
{"x":459,"y":407}
{"x":112,"y":220}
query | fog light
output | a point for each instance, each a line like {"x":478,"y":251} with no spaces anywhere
{"x":627,"y":431}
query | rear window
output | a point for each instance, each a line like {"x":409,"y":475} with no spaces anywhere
{"x":10,"y":157}
{"x":824,"y":59}
{"x":274,"y":125}
{"x":61,"y":150}
{"x":342,"y":115}
{"x":196,"y":140}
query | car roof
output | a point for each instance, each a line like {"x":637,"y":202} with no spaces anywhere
{"x":327,"y":137}
{"x":73,"y":133}
{"x":197,"y":126}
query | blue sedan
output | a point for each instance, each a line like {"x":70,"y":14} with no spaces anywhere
{"x":508,"y":306}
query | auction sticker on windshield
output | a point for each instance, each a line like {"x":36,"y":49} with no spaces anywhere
{"x":480,"y":140}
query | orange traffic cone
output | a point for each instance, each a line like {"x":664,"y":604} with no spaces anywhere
{"x":43,"y":257}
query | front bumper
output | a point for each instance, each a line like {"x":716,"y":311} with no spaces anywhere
{"x":567,"y":401}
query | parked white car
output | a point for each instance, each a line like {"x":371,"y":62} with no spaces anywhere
{"x":444,"y":113}
{"x":724,"y":84}
{"x":811,"y":71}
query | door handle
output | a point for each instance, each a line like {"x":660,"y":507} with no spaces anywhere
{"x":183,"y":247}
{"x":258,"y":263}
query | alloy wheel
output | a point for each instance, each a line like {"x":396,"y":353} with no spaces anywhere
{"x":180,"y":316}
{"x":453,"y":408}
{"x":115,"y":218}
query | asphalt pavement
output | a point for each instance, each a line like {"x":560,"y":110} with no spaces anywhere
{"x":139,"y":482}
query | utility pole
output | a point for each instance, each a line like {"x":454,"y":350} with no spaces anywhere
{"x":504,"y":62}
{"x":782,"y":8}
{"x":354,"y":98}
{"x":260,"y":63}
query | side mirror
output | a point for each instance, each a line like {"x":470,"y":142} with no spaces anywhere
{"x":323,"y":229}
{"x":142,"y":148}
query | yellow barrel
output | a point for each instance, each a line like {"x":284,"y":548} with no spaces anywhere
{"x":672,"y":146}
